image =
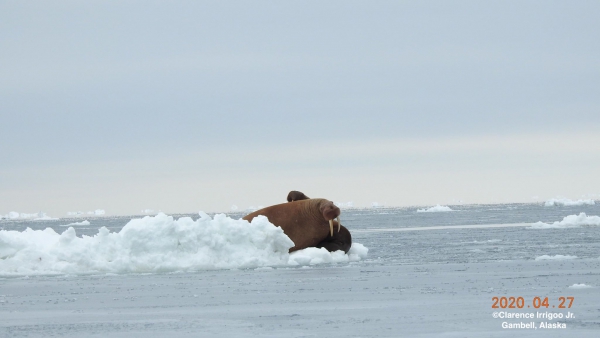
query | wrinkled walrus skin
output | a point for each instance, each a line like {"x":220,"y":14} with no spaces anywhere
{"x":305,"y":222}
{"x":341,"y":240}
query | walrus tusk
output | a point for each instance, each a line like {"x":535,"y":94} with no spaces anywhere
{"x":339,"y":223}
{"x":331,"y":227}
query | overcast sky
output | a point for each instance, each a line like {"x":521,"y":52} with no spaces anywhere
{"x":183,"y":106}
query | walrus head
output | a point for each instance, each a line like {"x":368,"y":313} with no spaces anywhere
{"x":330,"y":211}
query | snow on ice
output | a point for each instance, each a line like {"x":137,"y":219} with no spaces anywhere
{"x":567,"y":202}
{"x":437,"y":208}
{"x":160,"y":244}
{"x":571,"y":221}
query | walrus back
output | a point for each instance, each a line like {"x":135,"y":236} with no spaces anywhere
{"x":301,"y":221}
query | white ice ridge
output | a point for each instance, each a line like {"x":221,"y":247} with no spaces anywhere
{"x":437,"y":208}
{"x":571,"y":221}
{"x":567,"y":202}
{"x":555,"y":257}
{"x":159,"y":244}
{"x":86,"y":222}
{"x":580,"y":286}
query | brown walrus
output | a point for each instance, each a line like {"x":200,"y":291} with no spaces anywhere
{"x":296,"y":196}
{"x":308,"y":223}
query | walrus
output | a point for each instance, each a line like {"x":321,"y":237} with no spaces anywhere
{"x":296,"y":196}
{"x":308,"y":223}
{"x":342,"y":240}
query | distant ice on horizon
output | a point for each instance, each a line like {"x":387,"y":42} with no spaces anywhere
{"x":74,"y":213}
{"x":568,"y":202}
{"x":346,"y":205}
{"x":437,"y":208}
{"x":38,"y":216}
{"x":571,"y":221}
{"x":97,"y":212}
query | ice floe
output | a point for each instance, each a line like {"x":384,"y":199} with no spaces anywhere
{"x":571,"y":221}
{"x":567,"y":202}
{"x":580,"y":286}
{"x":312,"y":256}
{"x":38,"y":216}
{"x":160,"y":244}
{"x":437,"y":208}
{"x":86,"y":222}
{"x":555,"y":257}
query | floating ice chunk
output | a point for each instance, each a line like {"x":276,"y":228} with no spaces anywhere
{"x":147,"y":211}
{"x":313,"y":256}
{"x":437,"y":208}
{"x":158,"y":244}
{"x":567,"y":202}
{"x":13,"y":215}
{"x":86,"y":222}
{"x":580,"y":286}
{"x":357,"y":252}
{"x":555,"y":257}
{"x":571,"y":221}
{"x":99,"y":212}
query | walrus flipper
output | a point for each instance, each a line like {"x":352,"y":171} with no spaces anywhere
{"x":341,"y":240}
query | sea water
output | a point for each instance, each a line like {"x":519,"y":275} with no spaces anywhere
{"x":425,"y":274}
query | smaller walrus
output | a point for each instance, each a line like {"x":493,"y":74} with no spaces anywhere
{"x":296,"y":196}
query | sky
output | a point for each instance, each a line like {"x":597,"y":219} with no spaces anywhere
{"x":183,"y":106}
